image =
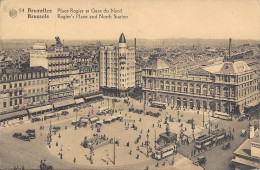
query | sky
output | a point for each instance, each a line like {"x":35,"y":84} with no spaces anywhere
{"x":147,"y":19}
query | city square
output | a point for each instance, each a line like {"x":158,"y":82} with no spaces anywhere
{"x":68,"y":141}
{"x":129,"y":85}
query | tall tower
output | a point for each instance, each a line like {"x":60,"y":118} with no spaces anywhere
{"x":117,"y":68}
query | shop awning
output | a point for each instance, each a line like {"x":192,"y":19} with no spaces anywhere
{"x":84,"y":120}
{"x":94,"y":119}
{"x":94,"y":96}
{"x":113,"y":117}
{"x":12,"y":115}
{"x":63,"y":103}
{"x":41,"y":108}
{"x":50,"y":114}
{"x":79,"y":101}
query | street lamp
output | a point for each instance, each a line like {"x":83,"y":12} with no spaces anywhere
{"x":147,"y":136}
{"x":203,"y":117}
{"x":76,"y":109}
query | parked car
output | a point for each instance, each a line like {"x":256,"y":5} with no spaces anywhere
{"x":17,"y":135}
{"x":64,"y":112}
{"x":226,"y":146}
{"x":189,"y":121}
{"x":201,"y":160}
{"x":131,"y":109}
{"x":36,"y":119}
{"x":25,"y":138}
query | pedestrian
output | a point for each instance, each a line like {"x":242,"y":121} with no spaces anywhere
{"x":153,"y":125}
{"x":233,"y":130}
{"x":69,"y":148}
{"x":74,"y":160}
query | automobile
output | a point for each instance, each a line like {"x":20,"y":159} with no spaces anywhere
{"x":242,"y":118}
{"x":189,"y":121}
{"x":243,"y":133}
{"x":131,"y":109}
{"x":30,"y":131}
{"x":226,"y":146}
{"x":36,"y":119}
{"x":149,"y":113}
{"x":17,"y":135}
{"x":126,"y":101}
{"x":64,"y":112}
{"x":56,"y":128}
{"x":115,"y":100}
{"x":25,"y":138}
{"x":201,"y":160}
{"x":156,"y":114}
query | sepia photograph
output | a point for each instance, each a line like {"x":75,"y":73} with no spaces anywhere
{"x":129,"y":84}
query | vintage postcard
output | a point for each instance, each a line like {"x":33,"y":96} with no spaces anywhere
{"x":129,"y":84}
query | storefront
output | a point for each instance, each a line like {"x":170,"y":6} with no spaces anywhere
{"x":13,"y":115}
{"x":64,"y":104}
{"x":40,"y":110}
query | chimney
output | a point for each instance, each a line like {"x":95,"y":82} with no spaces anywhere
{"x":135,"y":46}
{"x":229,"y":49}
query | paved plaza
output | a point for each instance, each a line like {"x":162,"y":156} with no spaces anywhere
{"x":68,"y":140}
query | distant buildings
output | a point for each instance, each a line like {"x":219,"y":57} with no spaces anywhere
{"x":117,"y":68}
{"x":22,"y":88}
{"x":226,"y":87}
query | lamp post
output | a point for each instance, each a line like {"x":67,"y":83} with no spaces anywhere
{"x":76,"y":109}
{"x":147,"y":136}
{"x":203,"y":121}
{"x":209,"y":122}
{"x":114,"y":162}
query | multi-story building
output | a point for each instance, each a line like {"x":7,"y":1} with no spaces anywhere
{"x":225,"y":87}
{"x":58,"y":64}
{"x":138,"y":78}
{"x":89,"y":81}
{"x":117,"y":68}
{"x":22,"y":88}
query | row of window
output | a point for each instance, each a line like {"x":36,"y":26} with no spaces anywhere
{"x":24,"y":76}
{"x":25,"y":83}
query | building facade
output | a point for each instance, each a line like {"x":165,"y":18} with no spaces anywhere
{"x":22,"y":88}
{"x":59,"y":66}
{"x":225,"y":87}
{"x":89,"y":81}
{"x":117,"y":68}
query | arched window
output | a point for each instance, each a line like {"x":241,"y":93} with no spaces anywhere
{"x":198,"y":89}
{"x":167,"y":85}
{"x":185,"y":87}
{"x":211,"y":90}
{"x":226,"y":92}
{"x":191,"y":87}
{"x":161,"y":85}
{"x":179,"y":86}
{"x":173,"y":86}
{"x":205,"y":89}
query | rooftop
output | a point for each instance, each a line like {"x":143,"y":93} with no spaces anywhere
{"x":156,"y":64}
{"x":228,"y":68}
{"x":122,"y":38}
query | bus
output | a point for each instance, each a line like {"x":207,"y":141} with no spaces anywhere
{"x":165,"y":151}
{"x":103,"y":111}
{"x":158,"y":105}
{"x":203,"y":140}
{"x":224,"y":116}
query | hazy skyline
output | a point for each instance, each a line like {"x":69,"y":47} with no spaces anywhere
{"x":146,"y":20}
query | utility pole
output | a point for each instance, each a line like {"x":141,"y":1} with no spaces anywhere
{"x":203,"y":117}
{"x":114,"y":162}
{"x":193,"y":127}
{"x":154,"y":139}
{"x":76,"y":109}
{"x":209,"y":122}
{"x":144,"y":101}
{"x":147,"y":136}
